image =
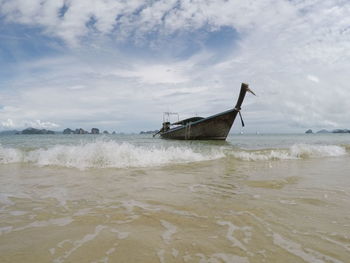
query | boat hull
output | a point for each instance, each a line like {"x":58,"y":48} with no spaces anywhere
{"x":215,"y":127}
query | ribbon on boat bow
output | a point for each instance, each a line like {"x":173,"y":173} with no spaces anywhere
{"x":244,"y":88}
{"x":240,"y":115}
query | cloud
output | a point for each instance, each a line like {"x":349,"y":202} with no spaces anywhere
{"x":41,"y":124}
{"x":77,"y":87}
{"x":122,"y":65}
{"x":10,"y":124}
{"x":7,"y":124}
{"x":313,"y":78}
{"x":155,"y":74}
{"x":75,"y":19}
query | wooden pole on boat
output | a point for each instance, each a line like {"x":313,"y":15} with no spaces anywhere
{"x":244,"y":89}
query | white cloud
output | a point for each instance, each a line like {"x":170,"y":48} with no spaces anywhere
{"x":155,"y":74}
{"x":10,"y":124}
{"x":137,"y":17}
{"x":41,"y":124}
{"x":7,"y":124}
{"x":313,"y":78}
{"x":278,"y":44}
{"x":77,"y":87}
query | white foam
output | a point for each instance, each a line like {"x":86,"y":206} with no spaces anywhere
{"x":175,"y":252}
{"x":120,"y":235}
{"x":306,"y":150}
{"x":160,"y":254}
{"x":111,"y":154}
{"x":170,"y":230}
{"x":111,"y":250}
{"x":262,"y":155}
{"x":296,"y":151}
{"x":130,"y":205}
{"x":105,"y":259}
{"x":78,"y":243}
{"x":288,"y":202}
{"x":230,"y":234}
{"x":18,"y":213}
{"x":307,"y":254}
{"x":63,"y":221}
{"x":10,"y":155}
{"x":107,"y":154}
{"x":4,"y":199}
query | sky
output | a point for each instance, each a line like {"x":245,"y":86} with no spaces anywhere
{"x":119,"y":64}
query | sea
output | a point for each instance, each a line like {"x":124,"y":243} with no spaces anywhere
{"x":135,"y":198}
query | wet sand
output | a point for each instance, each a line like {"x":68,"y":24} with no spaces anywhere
{"x":224,"y":210}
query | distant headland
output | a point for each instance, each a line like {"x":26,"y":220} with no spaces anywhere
{"x":27,"y":131}
{"x":309,"y":131}
{"x":82,"y":131}
{"x":65,"y":131}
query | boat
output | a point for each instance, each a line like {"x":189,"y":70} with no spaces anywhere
{"x":215,"y":127}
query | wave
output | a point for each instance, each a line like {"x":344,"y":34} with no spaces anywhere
{"x":296,"y":151}
{"x":106,"y":154}
{"x":111,"y":154}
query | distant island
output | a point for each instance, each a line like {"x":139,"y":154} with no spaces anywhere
{"x":309,"y":131}
{"x":31,"y":130}
{"x":82,"y":131}
{"x":27,"y":131}
{"x":36,"y":131}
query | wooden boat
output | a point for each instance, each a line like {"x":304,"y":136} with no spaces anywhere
{"x":215,"y":127}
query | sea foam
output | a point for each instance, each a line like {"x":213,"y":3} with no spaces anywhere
{"x":296,"y":151}
{"x":10,"y":155}
{"x":107,"y":154}
{"x":111,"y":154}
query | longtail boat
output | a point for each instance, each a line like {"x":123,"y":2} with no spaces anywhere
{"x":215,"y":127}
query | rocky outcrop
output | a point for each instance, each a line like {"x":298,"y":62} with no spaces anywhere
{"x":36,"y":131}
{"x":326,"y":131}
{"x":309,"y":131}
{"x":323,"y":131}
{"x":80,"y":131}
{"x":68,"y":131}
{"x":95,"y":131}
{"x":76,"y":131}
{"x":341,"y":131}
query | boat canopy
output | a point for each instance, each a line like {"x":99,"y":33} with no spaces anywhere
{"x":185,"y":121}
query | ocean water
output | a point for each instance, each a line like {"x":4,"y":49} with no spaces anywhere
{"x":133,"y":198}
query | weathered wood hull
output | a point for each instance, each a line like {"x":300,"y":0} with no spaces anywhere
{"x":215,"y":127}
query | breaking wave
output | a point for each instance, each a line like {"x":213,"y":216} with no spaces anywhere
{"x":106,"y":154}
{"x":296,"y":151}
{"x":111,"y":154}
